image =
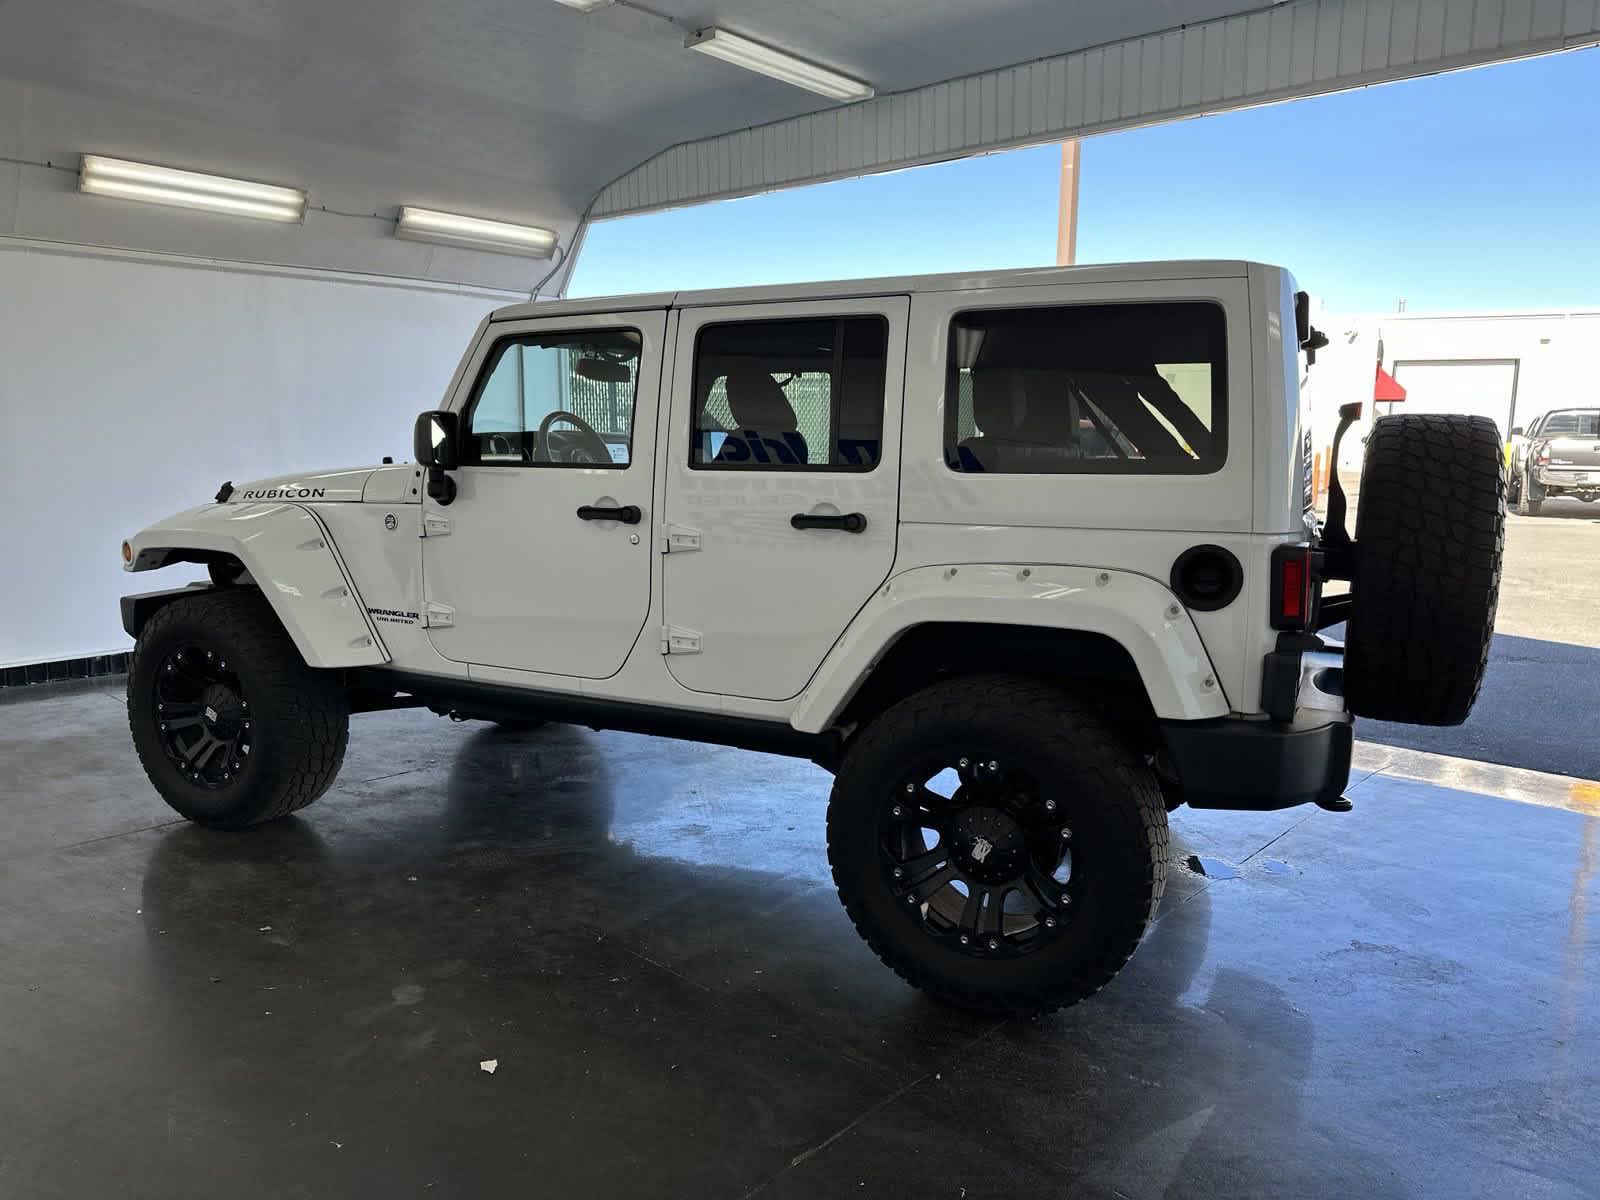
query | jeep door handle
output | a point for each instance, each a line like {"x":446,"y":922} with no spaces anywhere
{"x":628,"y":514}
{"x":849,"y":522}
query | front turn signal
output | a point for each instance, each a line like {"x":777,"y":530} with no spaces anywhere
{"x":127,"y":552}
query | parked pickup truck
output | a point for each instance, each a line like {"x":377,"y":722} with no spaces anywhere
{"x":1025,"y":558}
{"x":1558,"y":455}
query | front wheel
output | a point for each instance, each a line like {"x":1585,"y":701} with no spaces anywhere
{"x":997,"y":844}
{"x":231,"y":726}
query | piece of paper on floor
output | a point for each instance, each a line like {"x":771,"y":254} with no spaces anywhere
{"x":489,"y":1065}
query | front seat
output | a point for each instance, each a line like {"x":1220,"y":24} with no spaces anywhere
{"x":1022,"y":426}
{"x":765,"y":428}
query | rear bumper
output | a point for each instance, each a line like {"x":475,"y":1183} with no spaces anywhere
{"x":1258,"y":765}
{"x":1571,"y":479}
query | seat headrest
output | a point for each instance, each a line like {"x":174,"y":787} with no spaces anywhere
{"x":757,"y":402}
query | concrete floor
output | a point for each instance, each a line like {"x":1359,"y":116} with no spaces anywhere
{"x":1399,"y":1001}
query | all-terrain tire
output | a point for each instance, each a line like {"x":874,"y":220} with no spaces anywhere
{"x":1530,"y":497}
{"x":1429,"y":537}
{"x":299,"y":717}
{"x":1109,"y":798}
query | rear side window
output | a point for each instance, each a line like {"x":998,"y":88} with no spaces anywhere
{"x":790,"y":395}
{"x":1088,"y":389}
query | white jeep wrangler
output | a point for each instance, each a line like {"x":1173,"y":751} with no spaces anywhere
{"x":1026,"y":559}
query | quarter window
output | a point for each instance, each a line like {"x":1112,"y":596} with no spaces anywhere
{"x":556,"y":399}
{"x":1092,"y":389}
{"x":790,"y":395}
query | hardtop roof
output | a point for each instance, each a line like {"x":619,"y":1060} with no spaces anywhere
{"x":887,"y":285}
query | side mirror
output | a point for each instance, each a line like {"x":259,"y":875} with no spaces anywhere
{"x":435,"y":441}
{"x":1516,"y":431}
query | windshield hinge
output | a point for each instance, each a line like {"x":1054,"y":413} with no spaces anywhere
{"x":438,"y":616}
{"x":679,"y":539}
{"x":677,"y":640}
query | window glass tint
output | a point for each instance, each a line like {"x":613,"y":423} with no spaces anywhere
{"x":1578,"y":424}
{"x":577,"y":387}
{"x":790,"y":395}
{"x":1098,"y":388}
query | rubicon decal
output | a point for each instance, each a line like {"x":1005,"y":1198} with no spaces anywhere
{"x":285,"y":493}
{"x":394,"y":616}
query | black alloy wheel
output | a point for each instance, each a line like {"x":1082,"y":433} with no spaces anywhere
{"x":202,"y":715}
{"x":998,"y":843}
{"x":980,"y":853}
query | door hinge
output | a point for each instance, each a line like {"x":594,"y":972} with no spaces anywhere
{"x":675,"y":639}
{"x":434,"y":525}
{"x":679,"y":539}
{"x":438,"y":616}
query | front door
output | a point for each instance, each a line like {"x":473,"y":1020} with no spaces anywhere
{"x":542,"y":562}
{"x":782,"y":486}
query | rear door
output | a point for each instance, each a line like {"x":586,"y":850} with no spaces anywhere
{"x":781,"y":486}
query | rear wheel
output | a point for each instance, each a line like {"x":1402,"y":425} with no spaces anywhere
{"x":231,"y":726}
{"x":997,"y":844}
{"x":1429,"y":537}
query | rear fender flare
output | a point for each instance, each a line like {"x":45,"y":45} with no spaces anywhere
{"x":290,"y":555}
{"x":1138,"y":613}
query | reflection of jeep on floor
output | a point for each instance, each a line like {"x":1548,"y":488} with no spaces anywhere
{"x":1026,"y":559}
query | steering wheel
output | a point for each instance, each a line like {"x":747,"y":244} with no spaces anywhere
{"x":586,"y":447}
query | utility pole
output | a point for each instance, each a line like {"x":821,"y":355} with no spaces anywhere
{"x":1067,"y":225}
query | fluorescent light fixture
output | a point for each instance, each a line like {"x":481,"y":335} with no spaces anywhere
{"x":587,"y":5}
{"x":101,"y":176}
{"x":778,"y":64}
{"x":475,"y":233}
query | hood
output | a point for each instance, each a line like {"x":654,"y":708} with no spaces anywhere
{"x":346,"y":483}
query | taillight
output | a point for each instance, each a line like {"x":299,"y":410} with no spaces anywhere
{"x":1291,"y":587}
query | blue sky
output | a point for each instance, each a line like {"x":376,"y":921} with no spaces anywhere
{"x":1479,"y":189}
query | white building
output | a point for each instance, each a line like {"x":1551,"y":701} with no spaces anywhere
{"x":1509,"y":365}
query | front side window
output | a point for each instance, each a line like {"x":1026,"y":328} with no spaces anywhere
{"x":790,"y":395}
{"x":555,"y":399}
{"x":1135,"y":388}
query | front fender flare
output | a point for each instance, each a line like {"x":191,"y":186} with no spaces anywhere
{"x":294,"y":562}
{"x":1133,"y":610}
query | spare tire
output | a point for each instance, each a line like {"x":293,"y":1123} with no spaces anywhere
{"x":1430,"y":530}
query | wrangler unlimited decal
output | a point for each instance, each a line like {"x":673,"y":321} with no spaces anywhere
{"x":285,"y":493}
{"x":394,"y":616}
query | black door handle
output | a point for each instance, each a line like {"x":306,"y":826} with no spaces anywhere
{"x":628,"y":514}
{"x":849,"y":522}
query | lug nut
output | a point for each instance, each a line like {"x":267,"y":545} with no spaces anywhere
{"x":1049,"y":922}
{"x":1066,"y":834}
{"x":993,"y":765}
{"x":962,"y":763}
{"x":911,"y":899}
{"x":1049,"y":806}
{"x":1066,"y":898}
{"x":897,"y":810}
{"x":899,"y":872}
{"x":911,"y":789}
{"x":965,"y":939}
{"x":993,"y":945}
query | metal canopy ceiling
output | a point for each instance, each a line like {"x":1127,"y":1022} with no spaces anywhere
{"x":529,"y":111}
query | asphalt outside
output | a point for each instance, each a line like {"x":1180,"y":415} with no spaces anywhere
{"x":1540,"y":704}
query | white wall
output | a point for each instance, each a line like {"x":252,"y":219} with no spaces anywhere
{"x":131,"y":388}
{"x":1554,"y":352}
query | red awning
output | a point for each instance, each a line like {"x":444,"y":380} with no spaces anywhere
{"x":1385,"y":389}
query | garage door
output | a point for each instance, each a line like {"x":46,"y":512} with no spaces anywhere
{"x":1482,"y":387}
